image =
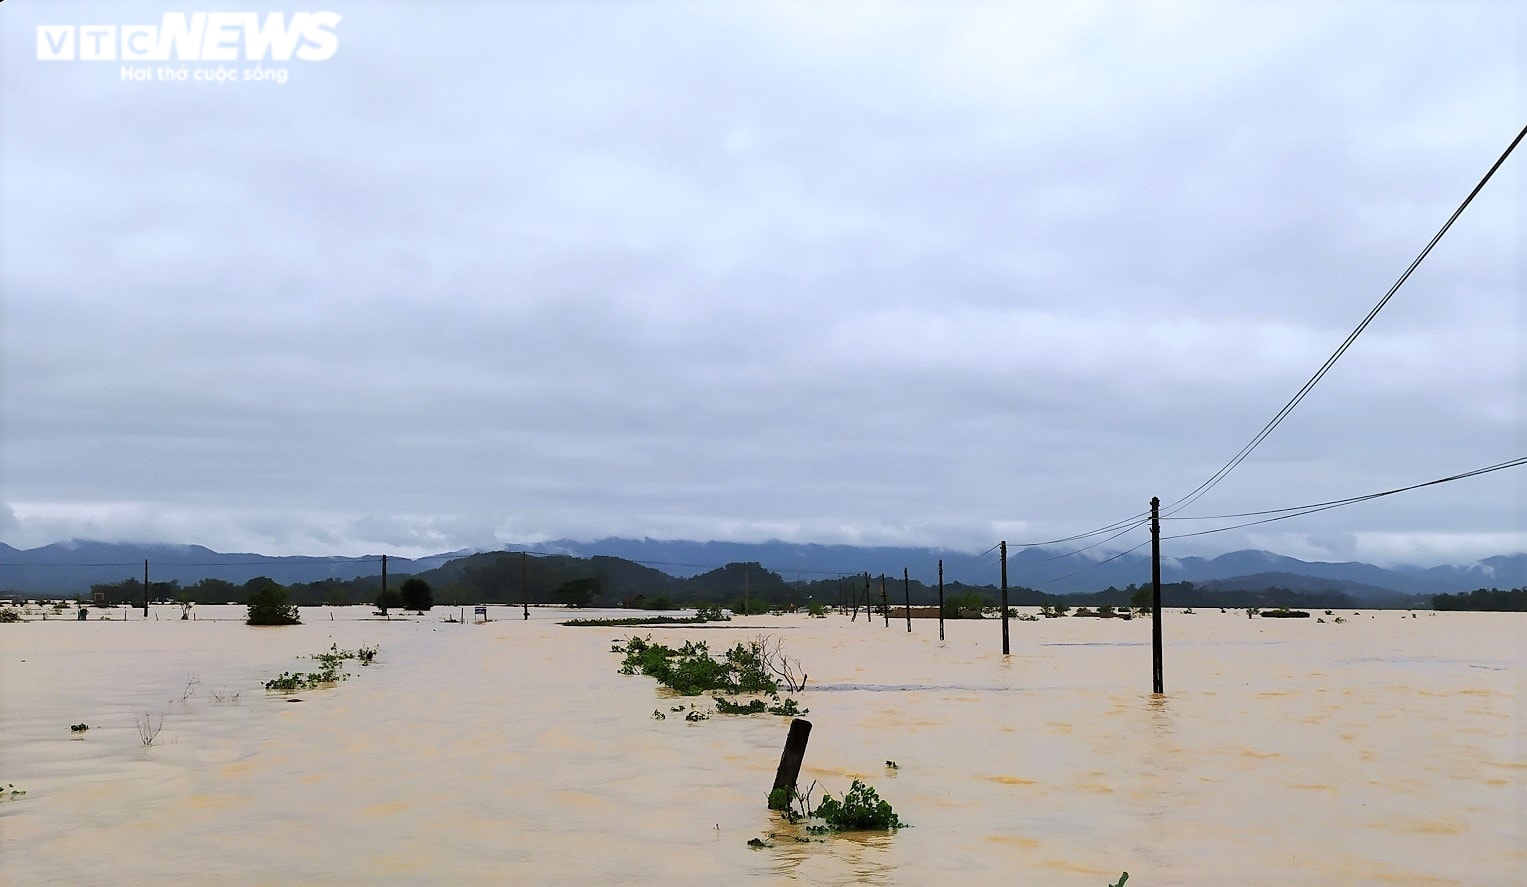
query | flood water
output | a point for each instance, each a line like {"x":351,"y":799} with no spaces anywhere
{"x":1387,"y":750}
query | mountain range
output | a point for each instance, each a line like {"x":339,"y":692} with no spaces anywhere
{"x":70,"y":568}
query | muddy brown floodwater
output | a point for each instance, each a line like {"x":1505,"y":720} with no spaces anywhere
{"x":1386,"y":750}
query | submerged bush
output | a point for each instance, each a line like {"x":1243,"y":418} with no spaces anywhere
{"x":271,"y":606}
{"x":690,"y":670}
{"x":330,"y":671}
{"x":860,"y":810}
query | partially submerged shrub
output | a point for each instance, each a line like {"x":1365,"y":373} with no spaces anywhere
{"x":148,"y":728}
{"x":330,"y":671}
{"x":860,"y":810}
{"x":9,"y":614}
{"x":690,"y":670}
{"x":270,"y":605}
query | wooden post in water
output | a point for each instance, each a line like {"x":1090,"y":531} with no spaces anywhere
{"x":1157,"y":684}
{"x":790,"y":765}
{"x":525,"y":583}
{"x":885,"y":602}
{"x":1005,"y":647}
{"x":145,"y":588}
{"x":869,"y":615}
{"x":906,"y":592}
{"x":940,"y":598}
{"x":384,"y":585}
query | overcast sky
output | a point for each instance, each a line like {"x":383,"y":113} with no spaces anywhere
{"x":929,"y":274}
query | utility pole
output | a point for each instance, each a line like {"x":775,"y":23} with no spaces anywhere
{"x":744,"y":591}
{"x":940,"y":598}
{"x":885,"y":603}
{"x":525,"y":583}
{"x":384,"y":577}
{"x":906,"y":591}
{"x":145,"y":588}
{"x":1005,"y":647}
{"x":869,"y":615}
{"x":1157,"y":685}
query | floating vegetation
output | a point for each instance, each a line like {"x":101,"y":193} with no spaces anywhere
{"x":1284,"y":613}
{"x":11,"y":792}
{"x":1120,"y":883}
{"x":658,"y":716}
{"x":860,"y":810}
{"x":328,"y":674}
{"x":690,"y":670}
{"x":786,"y":707}
{"x":78,"y":728}
{"x":892,"y":765}
{"x":696,"y":715}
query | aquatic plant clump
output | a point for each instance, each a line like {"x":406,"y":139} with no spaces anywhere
{"x":330,"y":671}
{"x":860,"y":810}
{"x":786,"y":707}
{"x":690,"y":670}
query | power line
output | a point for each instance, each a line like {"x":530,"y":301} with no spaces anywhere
{"x":1095,"y":565}
{"x":1301,"y":510}
{"x":1299,"y":396}
{"x":1133,"y":526}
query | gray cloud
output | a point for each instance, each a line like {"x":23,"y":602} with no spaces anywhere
{"x":910,"y":274}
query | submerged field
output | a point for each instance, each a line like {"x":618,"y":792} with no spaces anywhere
{"x":1386,"y":750}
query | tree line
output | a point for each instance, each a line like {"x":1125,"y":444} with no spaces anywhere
{"x":1494,"y":599}
{"x":509,"y":578}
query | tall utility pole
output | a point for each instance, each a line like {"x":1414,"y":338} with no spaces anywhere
{"x":1157,"y":685}
{"x":906,"y":591}
{"x":1004,"y":598}
{"x":744,"y":591}
{"x":145,"y":588}
{"x":384,"y":576}
{"x":940,"y":598}
{"x":885,"y":602}
{"x":869,"y":615}
{"x":525,"y":583}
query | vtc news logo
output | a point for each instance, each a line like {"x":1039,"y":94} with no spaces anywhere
{"x":197,"y":37}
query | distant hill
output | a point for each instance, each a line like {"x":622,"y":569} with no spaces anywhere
{"x":1049,"y":570}
{"x":649,"y":566}
{"x":69,"y":568}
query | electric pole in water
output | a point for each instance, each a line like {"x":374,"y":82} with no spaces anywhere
{"x":1004,"y":599}
{"x":145,"y":589}
{"x":1157,"y":684}
{"x":525,"y":583}
{"x":940,"y":598}
{"x":906,"y":592}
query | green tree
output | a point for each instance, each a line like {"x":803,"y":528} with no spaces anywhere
{"x":269,"y":604}
{"x":415,"y":595}
{"x":578,"y":592}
